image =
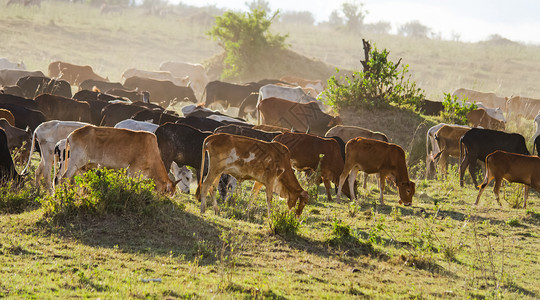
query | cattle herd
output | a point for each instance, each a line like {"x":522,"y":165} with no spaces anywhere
{"x":133,"y":125}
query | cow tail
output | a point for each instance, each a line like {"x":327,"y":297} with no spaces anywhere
{"x":198,"y":192}
{"x":25,"y":171}
{"x":461,"y":152}
{"x":66,"y":158}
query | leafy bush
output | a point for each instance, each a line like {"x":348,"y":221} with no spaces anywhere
{"x":340,"y":230}
{"x":15,"y":200}
{"x":380,"y":84}
{"x":102,"y":191}
{"x":246,"y":38}
{"x":284,"y":223}
{"x":455,"y":110}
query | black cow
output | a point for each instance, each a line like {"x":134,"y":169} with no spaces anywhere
{"x":249,"y":132}
{"x":155,"y":116}
{"x":162,"y":91}
{"x":249,"y":106}
{"x":63,"y":109}
{"x":33,"y":86}
{"x":203,"y":124}
{"x":7,"y":168}
{"x":116,"y":112}
{"x":536,"y":145}
{"x":87,"y":95}
{"x":89,"y":84}
{"x":24,"y":117}
{"x":12,"y":99}
{"x":228,"y":94}
{"x":14,"y":90}
{"x":133,"y":95}
{"x":431,"y":108}
{"x":477,"y":143}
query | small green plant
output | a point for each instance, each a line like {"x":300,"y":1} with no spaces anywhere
{"x":455,"y":110}
{"x":513,"y":222}
{"x":380,"y":83}
{"x":103,"y":191}
{"x":513,"y":194}
{"x":340,"y":230}
{"x":14,"y":199}
{"x":353,"y":209}
{"x":284,"y":223}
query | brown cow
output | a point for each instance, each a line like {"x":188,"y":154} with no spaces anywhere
{"x":522,"y":106}
{"x":372,"y":156}
{"x":6,"y":114}
{"x":447,"y":139}
{"x":487,"y":99}
{"x":514,"y":168}
{"x":306,"y":150}
{"x":271,"y":128}
{"x":17,"y":138}
{"x":480,"y":118}
{"x":136,"y":151}
{"x":249,"y":159}
{"x":163,"y":91}
{"x":63,"y":109}
{"x":74,"y":74}
{"x":299,"y":116}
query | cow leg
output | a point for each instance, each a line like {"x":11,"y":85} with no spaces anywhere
{"x":525,"y":195}
{"x":462,"y":167}
{"x":382,"y":182}
{"x":269,"y":194}
{"x":327,"y":186}
{"x":365,"y":180}
{"x":352,"y":178}
{"x":39,"y":173}
{"x":496,"y":189}
{"x":342,"y":178}
{"x":208,"y":185}
{"x":443,"y":165}
{"x":472,"y":171}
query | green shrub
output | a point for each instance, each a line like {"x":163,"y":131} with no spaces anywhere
{"x":15,"y":199}
{"x":513,"y":222}
{"x":455,"y":110}
{"x":340,"y":230}
{"x":284,"y":223}
{"x":102,"y":191}
{"x":381,"y":83}
{"x":246,"y":38}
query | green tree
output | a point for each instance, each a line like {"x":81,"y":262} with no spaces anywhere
{"x":246,"y":38}
{"x":354,"y":16}
{"x":380,"y":83}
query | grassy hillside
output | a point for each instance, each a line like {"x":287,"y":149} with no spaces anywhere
{"x":440,"y":247}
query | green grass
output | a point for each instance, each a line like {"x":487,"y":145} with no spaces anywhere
{"x":441,"y":247}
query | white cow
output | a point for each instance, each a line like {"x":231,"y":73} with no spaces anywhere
{"x":157,"y":75}
{"x":295,"y":94}
{"x":47,"y":134}
{"x":137,"y":125}
{"x":495,"y":113}
{"x":196,"y":72}
{"x":183,"y":176}
{"x":6,"y":64}
{"x":537,"y":126}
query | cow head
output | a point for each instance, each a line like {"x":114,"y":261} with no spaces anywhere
{"x":406,"y":192}
{"x":302,"y":200}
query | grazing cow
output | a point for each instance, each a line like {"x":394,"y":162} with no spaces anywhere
{"x":101,"y":85}
{"x":372,"y":156}
{"x":435,"y":149}
{"x":47,"y":135}
{"x":480,"y":118}
{"x":514,"y":168}
{"x":183,"y":176}
{"x":63,"y":109}
{"x":24,"y":117}
{"x":248,"y":106}
{"x":488,"y":99}
{"x":17,"y":138}
{"x":74,"y":74}
{"x":157,"y":75}
{"x":6,"y":114}
{"x":347,"y":133}
{"x":202,"y":124}
{"x":196,"y":72}
{"x":317,"y":85}
{"x":137,"y":125}
{"x":230,"y":120}
{"x":14,"y":90}
{"x":86,"y":95}
{"x":431,"y":108}
{"x":163,"y":91}
{"x":477,"y":143}
{"x":447,"y":140}
{"x":300,"y":116}
{"x":496,"y":113}
{"x":199,"y":111}
{"x":6,"y":64}
{"x":136,"y":151}
{"x":33,"y":86}
{"x":249,"y":159}
{"x":249,"y":132}
{"x":21,"y":101}
{"x":306,"y":151}
{"x":10,"y":77}
{"x":522,"y":106}
{"x":271,"y":128}
{"x":116,"y":112}
{"x":133,"y":95}
{"x":228,"y":94}
{"x":295,"y":94}
{"x":7,"y":168}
